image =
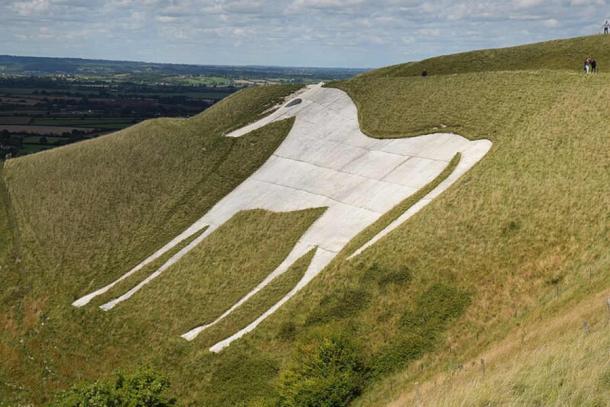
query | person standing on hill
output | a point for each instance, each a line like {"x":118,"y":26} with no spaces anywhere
{"x":606,"y":27}
{"x":593,"y":66}
{"x":587,"y":65}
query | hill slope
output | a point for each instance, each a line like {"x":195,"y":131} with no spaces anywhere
{"x":521,"y":238}
{"x":564,"y":55}
{"x":87,"y":211}
{"x":98,"y":203}
{"x":535,"y":224}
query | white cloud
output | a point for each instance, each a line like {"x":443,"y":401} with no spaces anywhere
{"x":338,"y":5}
{"x":27,"y":8}
{"x":429,"y":32}
{"x":527,"y":3}
{"x":551,"y":23}
{"x":577,"y":3}
{"x":166,"y":19}
{"x":287,"y":32}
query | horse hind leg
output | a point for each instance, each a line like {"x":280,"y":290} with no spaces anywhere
{"x":298,"y":251}
{"x":320,"y":260}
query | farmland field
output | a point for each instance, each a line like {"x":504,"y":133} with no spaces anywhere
{"x":50,"y":102}
{"x":38,"y":113}
{"x":39,"y":129}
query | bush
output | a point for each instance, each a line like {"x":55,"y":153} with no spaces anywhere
{"x":326,"y":373}
{"x":143,"y":388}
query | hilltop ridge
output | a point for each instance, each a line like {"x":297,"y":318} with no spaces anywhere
{"x":563,"y":55}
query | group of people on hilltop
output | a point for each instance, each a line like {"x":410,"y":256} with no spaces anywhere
{"x":590,"y":65}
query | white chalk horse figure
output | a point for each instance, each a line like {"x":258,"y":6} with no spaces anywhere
{"x":325,"y":161}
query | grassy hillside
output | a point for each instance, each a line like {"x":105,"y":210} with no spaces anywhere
{"x":565,"y":55}
{"x":519,"y":241}
{"x":87,"y":213}
{"x":559,"y":361}
{"x":109,"y":202}
{"x":522,"y":237}
{"x":528,"y":232}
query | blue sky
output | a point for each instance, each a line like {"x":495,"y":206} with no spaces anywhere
{"x":346,"y":33}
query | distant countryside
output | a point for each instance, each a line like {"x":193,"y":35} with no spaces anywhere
{"x":50,"y":102}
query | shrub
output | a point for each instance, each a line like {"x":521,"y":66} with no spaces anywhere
{"x":144,"y":388}
{"x":326,"y":373}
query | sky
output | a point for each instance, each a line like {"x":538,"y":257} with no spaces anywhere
{"x":323,"y":33}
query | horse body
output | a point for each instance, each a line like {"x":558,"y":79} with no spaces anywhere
{"x":325,"y":161}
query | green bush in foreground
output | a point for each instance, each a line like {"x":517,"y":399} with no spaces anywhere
{"x":327,"y":373}
{"x":143,"y":388}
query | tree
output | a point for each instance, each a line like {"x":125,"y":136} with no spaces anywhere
{"x":144,"y":388}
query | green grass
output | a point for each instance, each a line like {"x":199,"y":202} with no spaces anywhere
{"x":7,"y":239}
{"x":218,"y":272}
{"x":422,"y":327}
{"x":521,"y":237}
{"x":527,"y":368}
{"x":533,"y":209}
{"x":13,"y":289}
{"x":129,"y":193}
{"x":256,"y":305}
{"x":99,"y":207}
{"x":131,"y":281}
{"x":530,"y":211}
{"x":146,"y":329}
{"x":564,"y":55}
